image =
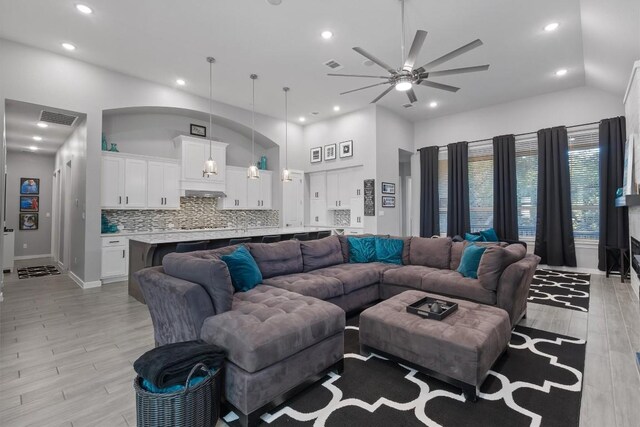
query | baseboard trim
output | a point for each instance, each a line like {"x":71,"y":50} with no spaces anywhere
{"x":82,"y":283}
{"x":572,"y":269}
{"x":115,"y":279}
{"x":23,"y":257}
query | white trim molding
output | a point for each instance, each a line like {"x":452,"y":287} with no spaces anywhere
{"x":23,"y":257}
{"x":82,"y":283}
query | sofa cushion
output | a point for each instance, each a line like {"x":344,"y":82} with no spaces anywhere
{"x":471,"y":260}
{"x":389,"y":250}
{"x":407,"y":275}
{"x":430,"y":252}
{"x":362,"y":249}
{"x":277,"y":259}
{"x":245,"y":274}
{"x":355,"y":276}
{"x":210,"y":273}
{"x":321,"y":253}
{"x":267,"y":325}
{"x":495,"y":259}
{"x":344,"y":244}
{"x":405,"y":248}
{"x":474,"y":237}
{"x":456,"y":254}
{"x":452,"y":283}
{"x":489,"y":235}
{"x":311,"y":285}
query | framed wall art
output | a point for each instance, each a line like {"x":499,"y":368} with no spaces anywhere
{"x":346,"y":149}
{"x":316,"y":155}
{"x":388,"y":202}
{"x":28,"y":221}
{"x":197,"y":130}
{"x":388,"y":188}
{"x":29,"y":203}
{"x":329,"y":152}
{"x":29,"y":186}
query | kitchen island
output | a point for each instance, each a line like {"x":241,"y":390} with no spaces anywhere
{"x":147,"y":250}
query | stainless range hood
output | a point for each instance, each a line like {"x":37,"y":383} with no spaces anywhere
{"x":203,"y":193}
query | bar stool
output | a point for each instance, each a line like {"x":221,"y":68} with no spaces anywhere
{"x":239,"y":241}
{"x":191,"y":247}
{"x":271,"y":239}
{"x":303,"y":237}
{"x":323,"y":234}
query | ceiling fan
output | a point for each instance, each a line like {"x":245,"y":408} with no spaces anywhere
{"x":404,"y":78}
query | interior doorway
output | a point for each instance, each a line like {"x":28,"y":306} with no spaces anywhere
{"x":293,"y":200}
{"x":55,"y":229}
{"x":66,"y":199}
{"x":405,"y":203}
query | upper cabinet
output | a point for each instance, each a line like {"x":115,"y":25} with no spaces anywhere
{"x":193,"y":153}
{"x":243,"y":193}
{"x":139,"y":182}
{"x":340,"y":188}
{"x":259,"y":191}
{"x":318,"y":186}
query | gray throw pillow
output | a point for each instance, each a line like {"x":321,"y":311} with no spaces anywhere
{"x":321,"y":253}
{"x":277,"y":259}
{"x":494,"y":260}
{"x":430,"y":252}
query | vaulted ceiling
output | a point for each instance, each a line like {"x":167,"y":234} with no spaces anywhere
{"x":163,"y":40}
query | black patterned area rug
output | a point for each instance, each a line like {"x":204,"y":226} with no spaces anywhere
{"x":37,"y":271}
{"x":537,"y":382}
{"x":560,"y":289}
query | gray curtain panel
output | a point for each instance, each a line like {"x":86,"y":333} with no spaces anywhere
{"x":429,"y":196}
{"x":554,"y":228}
{"x":614,"y":222}
{"x":505,"y":214}
{"x":458,"y":217}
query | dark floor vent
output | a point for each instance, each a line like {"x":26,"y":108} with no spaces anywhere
{"x":57,"y":118}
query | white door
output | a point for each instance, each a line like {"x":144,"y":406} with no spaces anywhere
{"x":357,"y":212}
{"x":194,"y":156}
{"x":114,"y":261}
{"x":333,"y":195}
{"x":266,"y":189}
{"x":293,"y":200}
{"x":317,"y":212}
{"x":318,"y":186}
{"x":155,"y":191}
{"x":171,"y":186}
{"x":135,"y":183}
{"x":112,"y":185}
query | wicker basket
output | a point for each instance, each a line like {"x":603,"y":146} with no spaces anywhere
{"x":197,"y":406}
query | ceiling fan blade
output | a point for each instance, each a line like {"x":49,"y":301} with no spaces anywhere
{"x":418,"y":41}
{"x":365,"y":87}
{"x":374,"y":59}
{"x":358,"y":75}
{"x":455,"y":71}
{"x":377,"y":98}
{"x":449,"y":56}
{"x":412,"y":96}
{"x":439,"y":86}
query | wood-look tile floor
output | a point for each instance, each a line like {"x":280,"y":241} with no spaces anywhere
{"x":66,"y":354}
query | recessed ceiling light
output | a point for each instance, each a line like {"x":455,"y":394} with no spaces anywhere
{"x":33,"y":148}
{"x":37,"y":138}
{"x":551,"y":27}
{"x":336,"y":108}
{"x":42,"y":125}
{"x":302,"y":119}
{"x":561,"y":72}
{"x":181,"y":82}
{"x":326,"y":34}
{"x":367,"y":63}
{"x":68,"y":46}
{"x":84,"y":9}
{"x":274,"y":2}
{"x":433,"y":104}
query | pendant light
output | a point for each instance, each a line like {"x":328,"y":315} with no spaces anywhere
{"x":210,"y":166}
{"x":286,"y":175}
{"x":252,"y":172}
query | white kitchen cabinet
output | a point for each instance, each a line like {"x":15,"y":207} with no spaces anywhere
{"x":115,"y":257}
{"x":193,"y":153}
{"x":357,"y":182}
{"x":339,"y":189}
{"x":318,"y":186}
{"x":357,"y":212}
{"x":259,"y":191}
{"x":318,"y":212}
{"x":236,"y":189}
{"x":163,"y":185}
{"x":135,"y":183}
{"x":112,"y":185}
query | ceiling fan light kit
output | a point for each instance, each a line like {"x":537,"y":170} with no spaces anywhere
{"x":403,"y":79}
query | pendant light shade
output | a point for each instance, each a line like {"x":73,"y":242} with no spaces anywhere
{"x":210,"y":166}
{"x":286,"y":175}
{"x":253,"y":172}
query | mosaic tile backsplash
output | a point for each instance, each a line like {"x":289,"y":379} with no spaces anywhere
{"x":195,"y":213}
{"x":342,"y":217}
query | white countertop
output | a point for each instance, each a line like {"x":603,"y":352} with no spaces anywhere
{"x":195,"y":235}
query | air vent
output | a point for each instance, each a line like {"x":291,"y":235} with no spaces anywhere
{"x":57,"y":118}
{"x":315,"y":113}
{"x":407,"y":105}
{"x":333,"y":64}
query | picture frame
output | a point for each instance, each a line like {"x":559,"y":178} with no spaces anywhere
{"x":346,"y":149}
{"x":330,"y":152}
{"x":29,"y":203}
{"x":316,"y":155}
{"x":198,"y":130}
{"x":388,"y":188}
{"x":29,"y":186}
{"x":28,"y":221}
{"x":388,"y":201}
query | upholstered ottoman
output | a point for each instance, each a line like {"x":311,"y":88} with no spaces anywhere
{"x":459,"y":349}
{"x":277,"y":343}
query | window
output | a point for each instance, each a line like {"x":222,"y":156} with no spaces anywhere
{"x":584,"y":158}
{"x":443,"y":187}
{"x":527,"y":184}
{"x":481,"y":186}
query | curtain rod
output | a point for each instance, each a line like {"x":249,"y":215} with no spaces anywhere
{"x":516,"y":135}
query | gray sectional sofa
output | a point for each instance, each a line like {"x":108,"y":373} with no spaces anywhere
{"x":288,"y":331}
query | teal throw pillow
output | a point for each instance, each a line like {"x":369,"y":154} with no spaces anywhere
{"x":362,"y":249}
{"x":389,"y":250}
{"x":473,"y":237}
{"x":471,"y":260}
{"x":245,"y":274}
{"x":489,"y":235}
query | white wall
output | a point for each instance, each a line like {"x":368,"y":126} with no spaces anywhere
{"x":41,"y":77}
{"x":569,"y":107}
{"x":30,"y":165}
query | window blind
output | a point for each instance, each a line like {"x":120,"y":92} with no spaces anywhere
{"x":584,"y":158}
{"x":527,"y":183}
{"x":481,"y":186}
{"x":443,"y":187}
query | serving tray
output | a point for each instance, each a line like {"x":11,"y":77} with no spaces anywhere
{"x":422,"y":308}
